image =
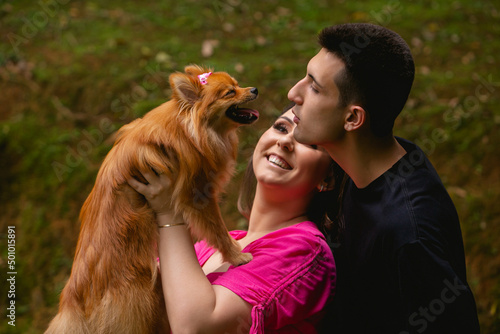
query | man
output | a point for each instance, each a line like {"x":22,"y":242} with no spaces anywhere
{"x":400,"y":257}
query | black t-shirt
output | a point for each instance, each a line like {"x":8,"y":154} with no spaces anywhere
{"x":400,"y":259}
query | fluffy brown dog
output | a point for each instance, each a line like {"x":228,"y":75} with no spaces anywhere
{"x":113,"y":287}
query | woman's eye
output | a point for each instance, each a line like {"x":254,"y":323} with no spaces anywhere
{"x":231,"y":92}
{"x":314,"y":147}
{"x":280,"y":127}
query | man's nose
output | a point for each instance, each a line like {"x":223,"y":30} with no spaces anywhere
{"x":294,"y":94}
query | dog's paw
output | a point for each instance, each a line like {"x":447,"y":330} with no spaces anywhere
{"x":241,"y":258}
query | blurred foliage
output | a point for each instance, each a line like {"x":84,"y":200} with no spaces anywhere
{"x":73,"y":72}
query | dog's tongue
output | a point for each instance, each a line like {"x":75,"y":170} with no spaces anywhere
{"x":242,"y":115}
{"x":253,"y":112}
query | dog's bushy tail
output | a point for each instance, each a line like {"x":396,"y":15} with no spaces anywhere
{"x":68,"y":321}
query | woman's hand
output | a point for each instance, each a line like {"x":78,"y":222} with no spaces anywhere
{"x":158,"y":192}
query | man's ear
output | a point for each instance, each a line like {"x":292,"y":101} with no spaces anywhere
{"x":355,"y":118}
{"x":185,"y":88}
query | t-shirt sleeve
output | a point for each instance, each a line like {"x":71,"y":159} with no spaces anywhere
{"x":203,"y":251}
{"x":438,"y":301}
{"x":290,"y":279}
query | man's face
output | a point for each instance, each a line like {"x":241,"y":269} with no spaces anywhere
{"x":318,"y":118}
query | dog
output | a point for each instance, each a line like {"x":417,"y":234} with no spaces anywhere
{"x":114,"y":286}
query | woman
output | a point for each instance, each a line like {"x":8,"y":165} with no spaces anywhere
{"x":292,"y":274}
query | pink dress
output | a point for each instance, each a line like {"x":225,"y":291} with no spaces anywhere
{"x":289,"y":281}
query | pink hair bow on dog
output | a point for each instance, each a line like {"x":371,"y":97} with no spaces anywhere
{"x":203,"y":77}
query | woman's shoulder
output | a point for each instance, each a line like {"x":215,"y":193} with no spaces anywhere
{"x":292,"y":243}
{"x":279,"y":253}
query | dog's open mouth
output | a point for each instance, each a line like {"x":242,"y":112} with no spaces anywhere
{"x":242,"y":115}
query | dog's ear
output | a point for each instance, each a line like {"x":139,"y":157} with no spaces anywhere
{"x":185,"y":88}
{"x":196,"y":70}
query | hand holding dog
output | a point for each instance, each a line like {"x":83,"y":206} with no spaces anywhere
{"x":157,"y":192}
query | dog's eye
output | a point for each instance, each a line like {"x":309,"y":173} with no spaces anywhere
{"x":231,"y":92}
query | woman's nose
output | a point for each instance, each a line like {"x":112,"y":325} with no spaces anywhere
{"x":286,"y":142}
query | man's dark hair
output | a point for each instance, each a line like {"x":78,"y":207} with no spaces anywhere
{"x":379,"y":70}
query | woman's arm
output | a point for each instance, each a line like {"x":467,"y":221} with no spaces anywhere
{"x":193,"y":304}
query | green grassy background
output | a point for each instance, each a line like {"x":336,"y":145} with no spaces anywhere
{"x":72,"y":72}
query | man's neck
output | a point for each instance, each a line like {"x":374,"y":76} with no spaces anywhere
{"x":365,"y":158}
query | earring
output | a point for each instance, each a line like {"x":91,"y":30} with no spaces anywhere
{"x":323,"y":186}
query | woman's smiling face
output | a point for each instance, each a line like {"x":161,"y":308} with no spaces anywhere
{"x":280,"y":161}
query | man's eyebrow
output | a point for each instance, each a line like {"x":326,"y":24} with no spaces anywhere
{"x":287,"y":119}
{"x":314,"y":79}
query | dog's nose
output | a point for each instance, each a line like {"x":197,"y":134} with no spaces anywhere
{"x":254,"y":91}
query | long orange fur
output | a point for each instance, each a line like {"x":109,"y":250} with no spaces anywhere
{"x":113,"y":286}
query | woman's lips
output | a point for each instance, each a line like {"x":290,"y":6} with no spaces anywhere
{"x":278,"y":161}
{"x":296,"y":119}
